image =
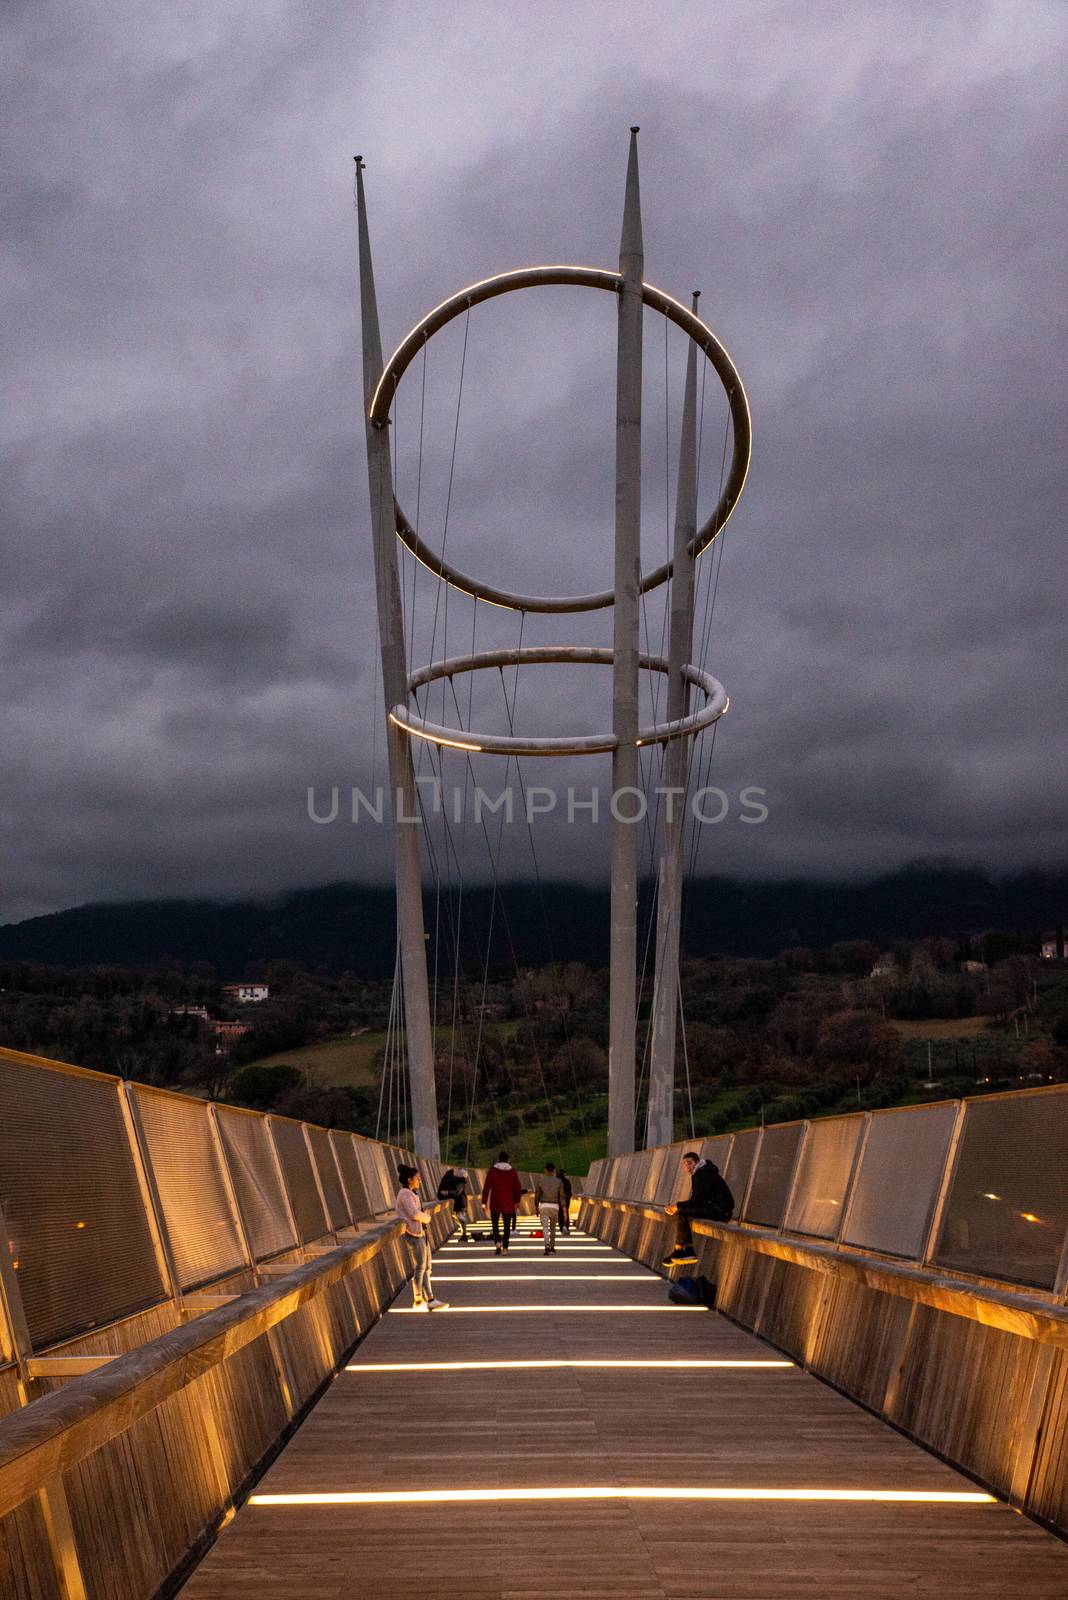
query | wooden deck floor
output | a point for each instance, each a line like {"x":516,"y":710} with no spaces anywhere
{"x":428,"y":1427}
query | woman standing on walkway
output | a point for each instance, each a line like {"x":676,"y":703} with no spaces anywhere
{"x":416,"y":1242}
{"x":502,"y":1192}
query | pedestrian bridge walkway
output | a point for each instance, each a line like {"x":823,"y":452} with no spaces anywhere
{"x":562,"y":1430}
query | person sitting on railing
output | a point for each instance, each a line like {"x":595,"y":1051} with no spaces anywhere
{"x":418,"y":1245}
{"x":709,"y":1197}
{"x":453,"y":1186}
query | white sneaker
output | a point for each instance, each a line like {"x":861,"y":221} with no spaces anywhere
{"x":437,"y":1305}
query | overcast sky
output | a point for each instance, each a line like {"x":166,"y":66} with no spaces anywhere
{"x":871,"y":199}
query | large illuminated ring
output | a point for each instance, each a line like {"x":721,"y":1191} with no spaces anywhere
{"x":582,"y":744}
{"x":587,"y":278}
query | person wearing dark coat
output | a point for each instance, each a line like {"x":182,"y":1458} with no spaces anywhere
{"x":709,"y":1197}
{"x":502,"y":1192}
{"x":453,"y":1186}
{"x":565,"y":1204}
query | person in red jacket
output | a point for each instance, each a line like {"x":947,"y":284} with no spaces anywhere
{"x":502,"y":1192}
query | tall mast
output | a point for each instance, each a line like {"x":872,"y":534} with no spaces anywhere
{"x":625,"y":764}
{"x":660,"y":1121}
{"x":407,"y":863}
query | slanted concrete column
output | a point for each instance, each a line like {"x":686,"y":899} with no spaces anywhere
{"x":408,"y":865}
{"x":625,"y":764}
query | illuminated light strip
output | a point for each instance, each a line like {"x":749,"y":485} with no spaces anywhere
{"x":453,"y":744}
{"x":635,"y":1492}
{"x":514,"y":1366}
{"x":404,"y":1311}
{"x":554,"y":1277}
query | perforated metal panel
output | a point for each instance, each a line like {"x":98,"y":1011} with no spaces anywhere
{"x":345,"y":1150}
{"x":740,"y":1164}
{"x":629,"y":1176}
{"x":823,"y":1176}
{"x":255,"y":1178}
{"x":900,"y":1173}
{"x":200,"y":1228}
{"x":716,"y":1149}
{"x":392,"y":1158}
{"x":337,"y":1209}
{"x":673,"y":1183}
{"x":300,"y":1178}
{"x":771,"y":1182}
{"x":654,"y":1166}
{"x":374,"y":1175}
{"x":1008,"y":1207}
{"x":75,"y":1212}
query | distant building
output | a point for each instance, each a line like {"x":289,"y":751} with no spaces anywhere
{"x":973,"y":966}
{"x":1050,"y":952}
{"x":226,"y":1034}
{"x":190,"y":1011}
{"x":246,"y":992}
{"x":884,"y":966}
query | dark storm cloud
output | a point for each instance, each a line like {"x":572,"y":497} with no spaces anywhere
{"x":869,"y":198}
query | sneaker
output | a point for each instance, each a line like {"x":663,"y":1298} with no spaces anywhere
{"x":680,"y":1257}
{"x":437,"y":1305}
{"x":422,"y":1305}
{"x":497,"y":1249}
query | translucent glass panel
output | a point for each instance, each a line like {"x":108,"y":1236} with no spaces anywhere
{"x":81,"y":1244}
{"x":770,"y":1188}
{"x":201,"y":1232}
{"x":254,"y":1174}
{"x":898,"y":1182}
{"x":352,"y":1177}
{"x":1008,"y":1207}
{"x":740,"y":1165}
{"x":300,"y":1178}
{"x":823,"y":1176}
{"x":337,"y":1210}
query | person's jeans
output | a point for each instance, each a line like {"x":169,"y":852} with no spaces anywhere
{"x":498,"y":1218}
{"x":550,"y":1216}
{"x":565,"y":1218}
{"x":419,"y":1252}
{"x":683,"y":1231}
{"x":460,"y":1210}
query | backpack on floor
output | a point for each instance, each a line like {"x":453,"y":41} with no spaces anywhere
{"x":684,"y":1292}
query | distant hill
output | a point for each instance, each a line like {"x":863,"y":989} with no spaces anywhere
{"x":349,"y":927}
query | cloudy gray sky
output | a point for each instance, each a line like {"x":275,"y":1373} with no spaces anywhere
{"x":870,"y":197}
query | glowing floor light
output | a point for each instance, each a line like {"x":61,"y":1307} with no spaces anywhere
{"x":554,"y":1491}
{"x":403,"y":1311}
{"x":553,"y":1277}
{"x":512,"y":1366}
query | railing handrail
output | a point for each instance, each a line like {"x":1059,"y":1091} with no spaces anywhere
{"x":60,"y":1429}
{"x":1012,"y":1310}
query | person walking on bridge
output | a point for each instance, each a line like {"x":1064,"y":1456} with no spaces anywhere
{"x":709,"y":1197}
{"x":549,"y":1198}
{"x":502,"y":1192}
{"x":565,"y":1203}
{"x":416,"y":1242}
